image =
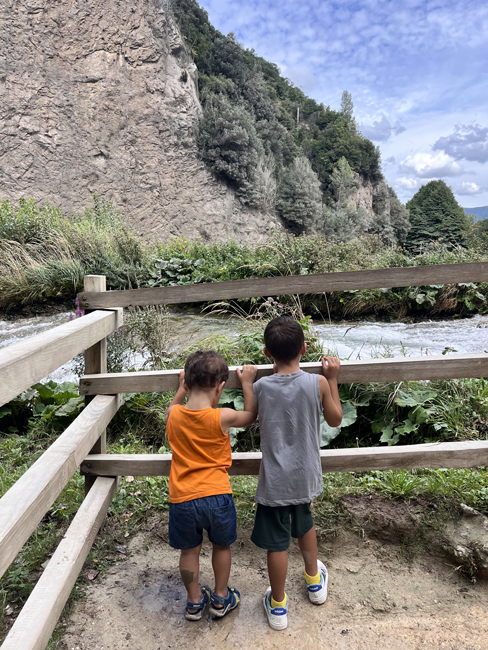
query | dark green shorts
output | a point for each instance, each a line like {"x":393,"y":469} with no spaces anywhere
{"x":274,"y":525}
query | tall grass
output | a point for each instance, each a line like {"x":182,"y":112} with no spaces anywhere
{"x":44,"y":255}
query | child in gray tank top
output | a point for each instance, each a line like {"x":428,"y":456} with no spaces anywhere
{"x":289,"y":405}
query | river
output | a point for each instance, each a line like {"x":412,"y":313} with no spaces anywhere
{"x":349,"y":340}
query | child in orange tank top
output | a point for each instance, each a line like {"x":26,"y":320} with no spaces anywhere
{"x":199,"y":489}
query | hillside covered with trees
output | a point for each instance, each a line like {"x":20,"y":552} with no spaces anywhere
{"x":279,"y":149}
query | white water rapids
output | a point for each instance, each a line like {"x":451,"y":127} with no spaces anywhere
{"x":350,"y":340}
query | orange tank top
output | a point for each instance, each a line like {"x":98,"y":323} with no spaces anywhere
{"x":201,"y":454}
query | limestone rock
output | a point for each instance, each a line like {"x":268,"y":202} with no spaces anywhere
{"x":94,"y":100}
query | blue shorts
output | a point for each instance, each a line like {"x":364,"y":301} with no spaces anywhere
{"x":215,"y":514}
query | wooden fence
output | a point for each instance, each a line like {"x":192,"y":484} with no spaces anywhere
{"x":83,"y":442}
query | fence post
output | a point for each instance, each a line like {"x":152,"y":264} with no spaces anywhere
{"x":95,"y":363}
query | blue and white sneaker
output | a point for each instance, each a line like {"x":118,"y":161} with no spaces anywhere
{"x":276,"y":615}
{"x":318,"y":593}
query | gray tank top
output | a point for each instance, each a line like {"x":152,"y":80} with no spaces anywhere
{"x":289,"y":409}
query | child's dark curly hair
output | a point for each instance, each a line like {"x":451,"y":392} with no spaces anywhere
{"x":205,"y":370}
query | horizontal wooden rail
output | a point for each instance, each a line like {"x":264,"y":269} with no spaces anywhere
{"x":370,"y":370}
{"x":289,"y":284}
{"x":36,"y":621}
{"x":430,"y":455}
{"x":25,"y":363}
{"x":27,"y":501}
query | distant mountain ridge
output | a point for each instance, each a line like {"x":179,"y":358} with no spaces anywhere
{"x":479,"y":213}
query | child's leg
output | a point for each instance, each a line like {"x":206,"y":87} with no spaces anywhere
{"x":308,"y":548}
{"x":316,"y":575}
{"x":189,"y":570}
{"x":221,"y":562}
{"x":277,"y":570}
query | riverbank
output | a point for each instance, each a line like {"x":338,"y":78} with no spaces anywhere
{"x":394,"y":567}
{"x":44,"y":256}
{"x":380,"y":596}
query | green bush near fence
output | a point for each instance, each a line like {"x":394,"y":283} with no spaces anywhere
{"x":44,"y":256}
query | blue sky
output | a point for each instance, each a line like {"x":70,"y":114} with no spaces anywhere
{"x":417,"y":72}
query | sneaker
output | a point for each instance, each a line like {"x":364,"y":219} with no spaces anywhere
{"x":194,"y":611}
{"x":318,"y":593}
{"x":276,"y":615}
{"x":224,"y":605}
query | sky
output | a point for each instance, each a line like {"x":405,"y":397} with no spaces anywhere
{"x":417,"y":72}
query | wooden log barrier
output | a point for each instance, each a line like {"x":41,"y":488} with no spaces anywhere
{"x":289,"y":284}
{"x":37,"y":619}
{"x":27,"y":501}
{"x":27,"y":362}
{"x":370,"y":370}
{"x":96,"y":362}
{"x":472,"y":453}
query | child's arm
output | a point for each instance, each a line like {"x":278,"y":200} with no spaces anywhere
{"x":231,"y":418}
{"x":329,"y":391}
{"x":179,"y":398}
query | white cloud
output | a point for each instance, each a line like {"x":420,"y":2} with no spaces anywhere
{"x":302,"y":76}
{"x":426,"y":165}
{"x":469,"y":188}
{"x":466,"y":143}
{"x":381,"y":130}
{"x":407,"y":183}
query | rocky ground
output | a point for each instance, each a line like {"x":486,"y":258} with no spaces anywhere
{"x":380,"y":596}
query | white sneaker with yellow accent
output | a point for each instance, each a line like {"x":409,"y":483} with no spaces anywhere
{"x":276,"y":615}
{"x":318,"y":592}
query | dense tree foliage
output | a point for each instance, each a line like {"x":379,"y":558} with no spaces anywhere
{"x":299,"y":197}
{"x":435,"y":214}
{"x":287,"y":122}
{"x":280,"y":149}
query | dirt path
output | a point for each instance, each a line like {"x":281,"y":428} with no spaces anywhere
{"x":378,"y":600}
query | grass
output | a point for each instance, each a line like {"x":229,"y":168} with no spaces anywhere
{"x":44,"y":255}
{"x":436,"y":410}
{"x":139,"y":497}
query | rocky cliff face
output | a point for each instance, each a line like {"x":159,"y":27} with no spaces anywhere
{"x":101,"y":97}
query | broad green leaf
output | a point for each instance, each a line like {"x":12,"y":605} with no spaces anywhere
{"x":418,"y":414}
{"x":70,"y":407}
{"x":349,"y":414}
{"x":365,"y":399}
{"x":46,"y":391}
{"x":327,"y":433}
{"x":49,"y":411}
{"x":407,"y":427}
{"x":414,"y":397}
{"x":5,"y":410}
{"x":233,"y":431}
{"x":387,"y":434}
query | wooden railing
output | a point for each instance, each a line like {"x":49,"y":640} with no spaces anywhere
{"x":83,"y":443}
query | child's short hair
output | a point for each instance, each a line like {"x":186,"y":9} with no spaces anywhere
{"x":283,"y":338}
{"x":205,"y":369}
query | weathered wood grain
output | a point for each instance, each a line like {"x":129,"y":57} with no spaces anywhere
{"x":25,"y":363}
{"x":433,"y":455}
{"x":96,"y":355}
{"x":291,"y":284}
{"x":95,"y":362}
{"x":35,"y":623}
{"x":27,"y":501}
{"x":370,"y":370}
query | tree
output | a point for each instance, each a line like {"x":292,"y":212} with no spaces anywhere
{"x":347,"y":107}
{"x":435,"y":214}
{"x":399,"y":216}
{"x":299,"y":197}
{"x":343,"y":219}
{"x":228,"y":142}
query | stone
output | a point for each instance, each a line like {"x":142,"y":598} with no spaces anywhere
{"x":93,"y":101}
